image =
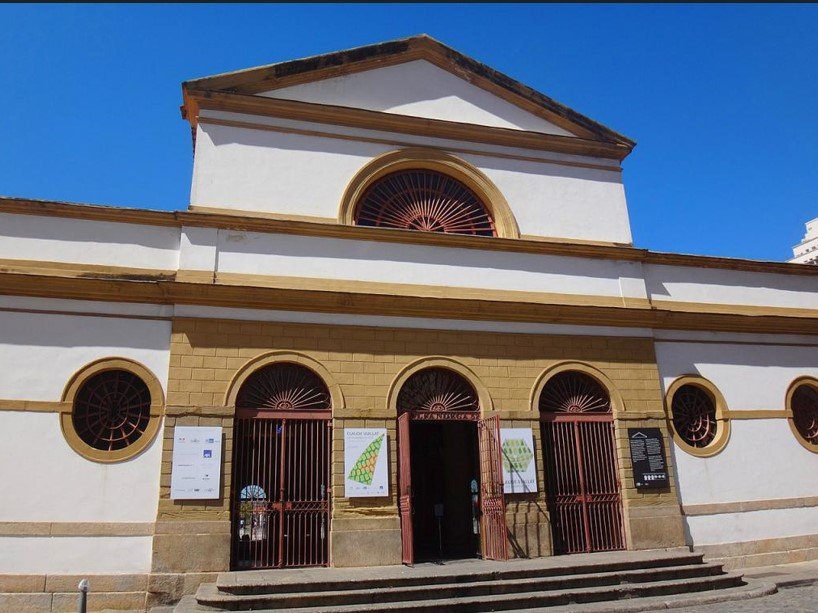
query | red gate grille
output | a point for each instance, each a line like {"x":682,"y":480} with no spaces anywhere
{"x":281,"y":483}
{"x":583,"y":488}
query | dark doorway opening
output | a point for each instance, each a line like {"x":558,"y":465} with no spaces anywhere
{"x":445,"y":490}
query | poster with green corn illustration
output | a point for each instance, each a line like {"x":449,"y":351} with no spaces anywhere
{"x":365,"y":462}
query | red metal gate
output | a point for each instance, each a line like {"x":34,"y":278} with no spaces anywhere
{"x":581,"y":472}
{"x":492,"y":502}
{"x":405,"y":489}
{"x":281,"y":470}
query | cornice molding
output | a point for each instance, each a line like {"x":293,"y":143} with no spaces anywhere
{"x":42,"y":279}
{"x":272,"y":223}
{"x":196,"y":100}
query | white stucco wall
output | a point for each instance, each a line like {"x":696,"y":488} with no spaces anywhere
{"x":753,"y":525}
{"x":421,"y":89}
{"x":75,"y":555}
{"x":50,"y":482}
{"x":57,"y":239}
{"x":720,"y":286}
{"x":268,"y":171}
{"x":748,"y":376}
{"x":316,"y":257}
{"x":762,"y":459}
{"x":40,"y":352}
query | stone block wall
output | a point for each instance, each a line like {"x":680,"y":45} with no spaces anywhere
{"x":364,"y":362}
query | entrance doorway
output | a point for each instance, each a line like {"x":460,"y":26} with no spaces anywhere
{"x":579,"y":451}
{"x":446,"y":478}
{"x":450,"y":481}
{"x":281,"y":470}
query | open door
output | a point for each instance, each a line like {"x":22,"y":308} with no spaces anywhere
{"x":405,"y":489}
{"x":492,"y":502}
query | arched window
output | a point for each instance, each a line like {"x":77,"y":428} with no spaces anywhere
{"x":697,"y":414}
{"x":426,"y":200}
{"x":433,"y":390}
{"x":804,"y":406}
{"x":284,"y":386}
{"x":574,"y":392}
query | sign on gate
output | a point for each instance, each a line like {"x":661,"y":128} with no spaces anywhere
{"x":648,"y":458}
{"x":197,"y":462}
{"x":365,"y":462}
{"x":519,"y":467}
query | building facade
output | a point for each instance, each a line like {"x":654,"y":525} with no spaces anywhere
{"x":806,"y":252}
{"x":393,"y":238}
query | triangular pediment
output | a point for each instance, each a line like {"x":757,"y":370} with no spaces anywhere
{"x":418,"y":77}
{"x":419,"y":89}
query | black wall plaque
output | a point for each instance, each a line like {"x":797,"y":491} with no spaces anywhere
{"x":648,"y":458}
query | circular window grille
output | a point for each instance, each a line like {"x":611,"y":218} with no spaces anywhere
{"x":284,"y":387}
{"x":574,"y":392}
{"x":112,"y":410}
{"x":694,"y":415}
{"x":805,"y":412}
{"x":437,"y":390}
{"x":423,"y":200}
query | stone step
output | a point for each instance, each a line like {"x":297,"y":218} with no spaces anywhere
{"x":209,"y":595}
{"x":502,"y":601}
{"x":321,"y":580}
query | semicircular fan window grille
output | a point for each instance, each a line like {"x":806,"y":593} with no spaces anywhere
{"x":574,"y":392}
{"x":437,"y":390}
{"x":805,"y":412}
{"x":112,"y":410}
{"x":694,"y":415}
{"x":423,"y":200}
{"x":284,"y":387}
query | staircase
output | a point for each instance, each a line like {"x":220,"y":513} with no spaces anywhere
{"x":657,"y":578}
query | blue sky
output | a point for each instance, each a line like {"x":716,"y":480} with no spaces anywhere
{"x":721,"y":99}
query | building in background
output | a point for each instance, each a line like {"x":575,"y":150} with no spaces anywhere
{"x":399,"y":271}
{"x":806,"y":252}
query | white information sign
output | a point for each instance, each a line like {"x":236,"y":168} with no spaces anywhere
{"x":366,"y":457}
{"x":519,"y":465}
{"x":197,"y":462}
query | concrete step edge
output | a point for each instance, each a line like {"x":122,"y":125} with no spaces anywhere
{"x":210,"y":592}
{"x":589,"y":567}
{"x":753,"y":589}
{"x":588,"y":594}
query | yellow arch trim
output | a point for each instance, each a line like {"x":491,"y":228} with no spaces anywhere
{"x":722,"y":421}
{"x":157,"y":409}
{"x":483,"y":396}
{"x":617,"y":403}
{"x":430,"y":159}
{"x":278,"y":357}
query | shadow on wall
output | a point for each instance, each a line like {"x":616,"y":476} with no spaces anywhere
{"x":531,"y":538}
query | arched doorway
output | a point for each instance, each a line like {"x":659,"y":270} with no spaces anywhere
{"x":281,"y":469}
{"x":450,"y":480}
{"x":579,"y":451}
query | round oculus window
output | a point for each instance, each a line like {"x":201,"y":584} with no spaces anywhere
{"x":112,"y":410}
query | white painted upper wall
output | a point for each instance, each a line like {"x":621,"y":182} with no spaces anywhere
{"x":750,"y":377}
{"x":40,"y":352}
{"x":376,"y":261}
{"x":420,"y":89}
{"x":60,"y":239}
{"x":267,"y":171}
{"x":722,"y":286}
